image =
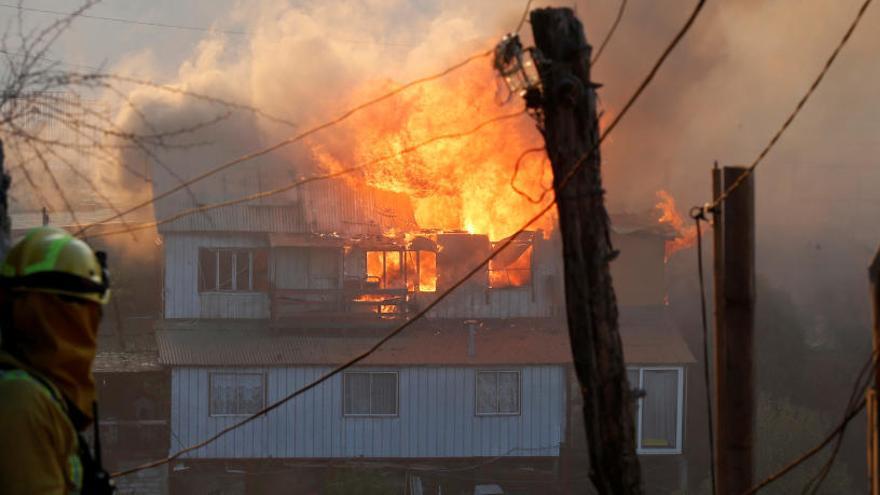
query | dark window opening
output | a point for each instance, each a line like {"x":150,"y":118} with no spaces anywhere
{"x":371,"y":393}
{"x":233,"y":270}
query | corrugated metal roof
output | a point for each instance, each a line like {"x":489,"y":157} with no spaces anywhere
{"x":327,"y":207}
{"x":432,"y":343}
{"x":126,"y":362}
{"x":242,"y":218}
{"x":26,"y":220}
{"x":338,"y":206}
{"x":649,"y":337}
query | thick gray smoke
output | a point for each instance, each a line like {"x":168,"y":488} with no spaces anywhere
{"x":720,"y":97}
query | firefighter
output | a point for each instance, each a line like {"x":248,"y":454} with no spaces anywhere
{"x":52,"y":290}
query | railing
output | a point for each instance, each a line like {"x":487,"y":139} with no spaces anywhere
{"x":383,"y":303}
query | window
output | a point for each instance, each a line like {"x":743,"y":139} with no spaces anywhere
{"x":659,"y":410}
{"x":418,"y":272}
{"x":497,"y":393}
{"x":233,"y":270}
{"x":511,"y":268}
{"x":236,"y":394}
{"x":307,"y":268}
{"x":372,"y":393}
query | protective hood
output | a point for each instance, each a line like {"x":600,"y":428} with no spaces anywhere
{"x":55,"y":337}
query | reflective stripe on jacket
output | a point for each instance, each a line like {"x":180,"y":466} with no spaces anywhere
{"x":40,"y":453}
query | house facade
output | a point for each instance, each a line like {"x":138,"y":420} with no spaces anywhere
{"x":260,"y":300}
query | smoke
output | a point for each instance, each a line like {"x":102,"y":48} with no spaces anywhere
{"x":306,"y":63}
{"x":730,"y":85}
{"x":721,"y":96}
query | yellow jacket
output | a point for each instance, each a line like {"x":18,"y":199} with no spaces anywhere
{"x":48,"y":345}
{"x":40,"y":449}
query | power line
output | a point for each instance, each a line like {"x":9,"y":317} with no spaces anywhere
{"x":421,"y":313}
{"x":858,"y":390}
{"x":525,"y":15}
{"x":125,"y":21}
{"x":838,"y":430}
{"x":797,"y":109}
{"x":699,"y":212}
{"x":195,"y":95}
{"x":610,"y":32}
{"x":316,"y":178}
{"x":97,"y":74}
{"x":233,"y":32}
{"x":83,"y":177}
{"x":698,"y":216}
{"x":516,"y":167}
{"x":293,"y":139}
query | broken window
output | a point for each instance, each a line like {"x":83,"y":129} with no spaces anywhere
{"x":372,"y":393}
{"x":512,"y":267}
{"x":233,"y":270}
{"x":419,"y":272}
{"x":659,"y":410}
{"x":497,"y":392}
{"x":236,"y":394}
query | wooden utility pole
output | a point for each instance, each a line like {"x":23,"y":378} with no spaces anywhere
{"x":571,"y":132}
{"x":734,"y":331}
{"x":871,"y":399}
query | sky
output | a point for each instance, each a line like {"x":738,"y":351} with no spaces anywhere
{"x":720,"y":97}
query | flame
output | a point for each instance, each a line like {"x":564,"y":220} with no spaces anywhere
{"x":372,"y":298}
{"x":461,"y":183}
{"x":685,"y":235}
{"x":427,"y":271}
{"x":516,"y":274}
{"x":379,"y":308}
{"x":384,"y":269}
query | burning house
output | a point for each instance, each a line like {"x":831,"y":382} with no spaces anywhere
{"x":261,"y":299}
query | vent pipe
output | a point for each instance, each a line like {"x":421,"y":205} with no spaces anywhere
{"x":472,"y":334}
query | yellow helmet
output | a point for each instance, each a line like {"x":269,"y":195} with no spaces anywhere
{"x":51,"y":260}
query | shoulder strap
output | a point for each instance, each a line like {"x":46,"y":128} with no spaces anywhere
{"x":74,"y":461}
{"x":84,"y":471}
{"x":11,"y":373}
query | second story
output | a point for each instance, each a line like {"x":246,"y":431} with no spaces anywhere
{"x":332,"y":254}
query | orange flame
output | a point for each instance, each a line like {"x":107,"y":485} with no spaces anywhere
{"x":515,"y":274}
{"x":427,"y":271}
{"x":685,"y":235}
{"x":460,"y":183}
{"x":384,"y":269}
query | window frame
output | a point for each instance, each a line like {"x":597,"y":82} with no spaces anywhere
{"x":263,"y":395}
{"x":215,"y":252}
{"x":518,"y":391}
{"x":371,"y":414}
{"x":408,"y":276}
{"x":531,"y":271}
{"x":679,"y":415}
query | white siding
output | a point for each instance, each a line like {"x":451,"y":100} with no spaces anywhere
{"x":436,"y":417}
{"x":512,"y":302}
{"x":182,"y":297}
